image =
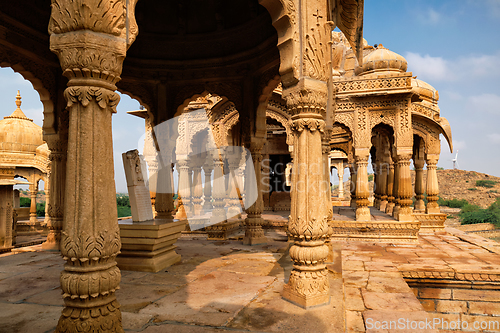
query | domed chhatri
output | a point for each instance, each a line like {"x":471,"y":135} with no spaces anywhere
{"x":18,"y":133}
{"x":382,"y":60}
{"x":425,"y":90}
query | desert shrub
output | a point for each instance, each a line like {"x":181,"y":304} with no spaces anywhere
{"x":472,"y":189}
{"x":123,"y":211}
{"x":440,"y":168}
{"x":123,"y":201}
{"x":453,"y":203}
{"x":492,"y":191}
{"x":480,"y":216}
{"x":123,"y":205}
{"x":486,"y":183}
{"x":470,"y":208}
{"x":24,"y":202}
{"x":370,"y":178}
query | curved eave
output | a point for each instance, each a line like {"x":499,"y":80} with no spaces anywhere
{"x":442,"y":125}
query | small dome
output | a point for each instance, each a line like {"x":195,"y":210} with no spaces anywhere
{"x":382,"y":60}
{"x":18,"y":133}
{"x":424,"y":90}
{"x":43,"y":151}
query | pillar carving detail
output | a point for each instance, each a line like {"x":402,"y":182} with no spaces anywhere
{"x":362,"y":191}
{"x":404,"y":189}
{"x":432,"y":185}
{"x":308,"y":223}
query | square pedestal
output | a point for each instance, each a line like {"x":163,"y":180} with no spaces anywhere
{"x":149,"y":246}
{"x":431,"y":222}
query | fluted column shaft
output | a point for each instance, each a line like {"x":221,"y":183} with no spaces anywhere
{"x":325,"y":149}
{"x":390,"y":190}
{"x":233,"y":155}
{"x":395,"y":190}
{"x":91,"y":50}
{"x":207,"y":188}
{"x":308,"y":224}
{"x":218,"y":192}
{"x":353,"y":173}
{"x":383,"y":173}
{"x":376,"y":185}
{"x":362,"y":190}
{"x":432,"y":185}
{"x":57,"y":190}
{"x":197,"y":190}
{"x":184,"y":188}
{"x":164,"y":201}
{"x":33,"y":192}
{"x":254,"y":234}
{"x":46,"y":220}
{"x":340,"y":171}
{"x":419,"y":186}
{"x":6,"y":211}
{"x":405,"y":190}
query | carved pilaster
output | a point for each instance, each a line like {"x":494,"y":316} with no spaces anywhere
{"x":219,"y":192}
{"x":184,"y":189}
{"x":325,"y":150}
{"x":207,"y":188}
{"x":33,"y":192}
{"x":254,"y":234}
{"x":233,"y":155}
{"x":91,"y":49}
{"x":384,"y":170}
{"x":308,"y":227}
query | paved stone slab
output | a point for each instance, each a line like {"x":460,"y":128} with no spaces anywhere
{"x":28,"y":318}
{"x":210,"y":300}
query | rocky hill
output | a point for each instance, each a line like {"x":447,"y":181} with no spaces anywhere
{"x":461,"y":184}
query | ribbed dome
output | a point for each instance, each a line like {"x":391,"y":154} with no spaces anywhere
{"x":18,"y":133}
{"x":425,"y":90}
{"x":382,"y":60}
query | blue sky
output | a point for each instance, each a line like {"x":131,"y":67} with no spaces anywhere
{"x":452,"y":45}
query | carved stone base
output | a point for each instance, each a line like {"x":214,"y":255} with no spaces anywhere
{"x":52,"y":242}
{"x":107,"y":318}
{"x":387,"y":231}
{"x":223,"y":230}
{"x":430,"y":222}
{"x":149,"y":246}
{"x":307,"y":289}
{"x":254,"y":240}
{"x":363,"y":214}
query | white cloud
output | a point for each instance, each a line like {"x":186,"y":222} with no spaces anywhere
{"x":470,"y":67}
{"x":494,"y":138}
{"x":433,"y":68}
{"x":485,"y":103}
{"x":433,"y":16}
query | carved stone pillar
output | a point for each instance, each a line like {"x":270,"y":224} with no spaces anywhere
{"x":6,"y":206}
{"x":383,"y":173}
{"x":254,"y":234}
{"x":352,"y":171}
{"x":325,"y":150}
{"x":207,"y":188}
{"x":419,"y":186}
{"x":390,"y":190}
{"x":405,"y":190}
{"x":164,"y":201}
{"x":395,"y":190}
{"x":184,"y":189}
{"x":33,"y":191}
{"x":91,"y":50}
{"x":46,"y":220}
{"x":57,"y":192}
{"x":197,"y":190}
{"x":340,"y":171}
{"x":376,"y":185}
{"x":308,"y":227}
{"x":362,"y":191}
{"x":219,"y":192}
{"x":432,"y":185}
{"x":233,"y":202}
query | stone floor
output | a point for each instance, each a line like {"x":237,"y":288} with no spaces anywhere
{"x":224,"y":286}
{"x":219,"y":286}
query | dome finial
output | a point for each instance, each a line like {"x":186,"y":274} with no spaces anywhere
{"x":18,"y":100}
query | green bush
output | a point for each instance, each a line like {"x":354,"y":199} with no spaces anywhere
{"x":25,"y":202}
{"x":492,"y":191}
{"x":370,"y":178}
{"x":123,"y":201}
{"x":123,"y":211}
{"x":453,"y":203}
{"x":40,"y":209}
{"x":472,"y":189}
{"x":440,"y":168}
{"x":474,"y":214}
{"x":470,"y":208}
{"x":480,"y":216}
{"x":485,"y":183}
